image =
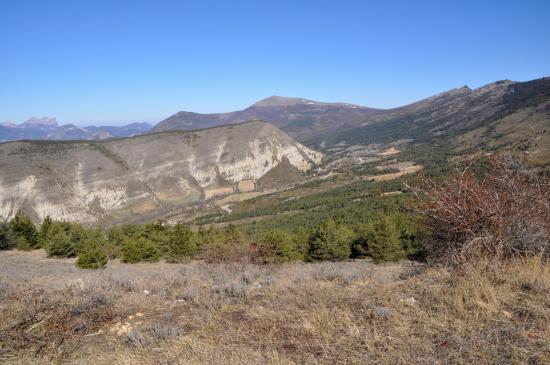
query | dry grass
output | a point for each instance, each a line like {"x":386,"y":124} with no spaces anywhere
{"x":326,"y":313}
{"x":405,"y":168}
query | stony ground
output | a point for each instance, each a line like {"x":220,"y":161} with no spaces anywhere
{"x":239,"y":313}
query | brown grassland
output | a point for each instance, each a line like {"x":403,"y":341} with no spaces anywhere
{"x":241,"y":313}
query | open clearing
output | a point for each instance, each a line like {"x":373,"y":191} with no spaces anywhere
{"x":240,"y":313}
{"x":404,"y":168}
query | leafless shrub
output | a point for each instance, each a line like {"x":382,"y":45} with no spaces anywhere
{"x":164,"y":330}
{"x":331,"y":271}
{"x":503,"y":214}
{"x":188,"y":294}
{"x":231,"y":289}
{"x":126,"y":285}
{"x":250,"y":273}
{"x":267,"y":280}
{"x":243,"y":252}
{"x":90,"y":302}
{"x":135,"y":337}
{"x":412,"y":270}
{"x":48,"y":320}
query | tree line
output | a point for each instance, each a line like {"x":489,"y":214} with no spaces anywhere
{"x":387,"y":237}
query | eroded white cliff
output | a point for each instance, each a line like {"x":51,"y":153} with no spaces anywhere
{"x":142,"y":176}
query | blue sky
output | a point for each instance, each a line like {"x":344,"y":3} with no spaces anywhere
{"x":123,"y":61}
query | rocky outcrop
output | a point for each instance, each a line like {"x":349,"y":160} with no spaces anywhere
{"x":140,"y":178}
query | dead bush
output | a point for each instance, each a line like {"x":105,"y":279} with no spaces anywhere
{"x":243,"y":252}
{"x":504,"y":213}
{"x":47,"y":320}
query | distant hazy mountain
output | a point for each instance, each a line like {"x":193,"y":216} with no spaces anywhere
{"x":45,"y":123}
{"x":49,"y":129}
{"x":129,"y":130}
{"x":298,"y":117}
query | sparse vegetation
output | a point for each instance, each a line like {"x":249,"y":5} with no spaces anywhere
{"x":485,"y":302}
{"x":343,"y":312}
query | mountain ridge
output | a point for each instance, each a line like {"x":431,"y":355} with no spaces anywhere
{"x":283,"y":112}
{"x":143,"y":177}
{"x":491,"y":112}
{"x":49,"y":129}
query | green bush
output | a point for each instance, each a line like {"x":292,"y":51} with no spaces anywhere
{"x":331,"y":241}
{"x":92,"y":257}
{"x":280,"y":246}
{"x":182,"y":243}
{"x":22,"y":226}
{"x":140,"y":249}
{"x":60,"y":245}
{"x":383,"y":241}
{"x":360,"y":246}
{"x":22,"y":244}
{"x":7,"y":241}
{"x":116,"y":238}
{"x":45,"y":229}
{"x":158,"y":233}
{"x":412,"y":236}
{"x":84,"y":238}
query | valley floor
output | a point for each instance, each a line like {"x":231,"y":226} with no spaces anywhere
{"x":239,"y":313}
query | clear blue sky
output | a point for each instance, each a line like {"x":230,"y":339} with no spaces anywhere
{"x":123,"y":61}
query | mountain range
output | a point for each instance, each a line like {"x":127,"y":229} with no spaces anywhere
{"x":192,"y":159}
{"x":50,"y":129}
{"x":502,"y":113}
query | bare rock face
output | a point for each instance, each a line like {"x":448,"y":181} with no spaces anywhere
{"x":140,"y":178}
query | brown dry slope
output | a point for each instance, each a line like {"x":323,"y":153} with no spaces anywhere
{"x":325,"y":313}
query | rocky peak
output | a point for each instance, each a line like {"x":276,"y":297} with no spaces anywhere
{"x":40,"y":122}
{"x":282,"y":101}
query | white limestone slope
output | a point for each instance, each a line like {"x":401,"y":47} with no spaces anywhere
{"x":127,"y":179}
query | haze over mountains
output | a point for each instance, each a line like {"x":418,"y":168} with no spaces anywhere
{"x":50,"y":129}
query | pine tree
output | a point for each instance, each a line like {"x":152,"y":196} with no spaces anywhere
{"x":22,"y":226}
{"x":7,"y":240}
{"x":45,"y":229}
{"x":331,"y":241}
{"x":182,"y":243}
{"x":383,"y":241}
